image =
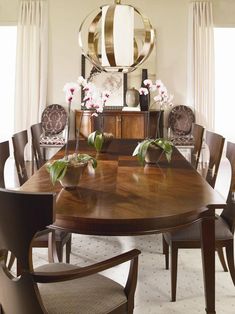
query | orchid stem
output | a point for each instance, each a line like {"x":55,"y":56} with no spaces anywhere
{"x":68,"y":130}
{"x":78,"y":134}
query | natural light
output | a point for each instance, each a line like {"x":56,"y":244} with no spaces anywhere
{"x":225,"y":82}
{"x":7,"y":80}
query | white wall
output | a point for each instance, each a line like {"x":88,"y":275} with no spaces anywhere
{"x":169,"y":17}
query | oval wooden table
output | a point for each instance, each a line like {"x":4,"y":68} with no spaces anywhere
{"x":122,"y":198}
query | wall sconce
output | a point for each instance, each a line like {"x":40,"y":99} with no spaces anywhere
{"x":111,"y":41}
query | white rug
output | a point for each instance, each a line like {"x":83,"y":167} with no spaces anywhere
{"x":153,"y":290}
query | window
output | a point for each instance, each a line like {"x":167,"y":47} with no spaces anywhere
{"x":7,"y":80}
{"x":225,"y":82}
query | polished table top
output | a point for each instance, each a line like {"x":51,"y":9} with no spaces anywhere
{"x":121,"y":197}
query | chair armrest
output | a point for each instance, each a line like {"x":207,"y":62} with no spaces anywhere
{"x":49,"y":277}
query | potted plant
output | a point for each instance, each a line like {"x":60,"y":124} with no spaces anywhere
{"x":151,"y":150}
{"x":69,"y":169}
{"x":95,"y":99}
{"x":162,"y":99}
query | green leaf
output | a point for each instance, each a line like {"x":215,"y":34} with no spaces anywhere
{"x":86,"y":158}
{"x":142,"y":147}
{"x":143,"y":150}
{"x":91,"y":139}
{"x":136,"y":151}
{"x":96,"y":139}
{"x":57,"y":170}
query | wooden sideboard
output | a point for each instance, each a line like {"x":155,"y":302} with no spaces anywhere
{"x":122,"y":124}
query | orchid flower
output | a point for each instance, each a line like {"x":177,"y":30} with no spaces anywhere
{"x":70,"y":89}
{"x":143,"y":91}
{"x":95,"y":98}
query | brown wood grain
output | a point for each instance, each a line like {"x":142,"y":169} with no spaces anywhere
{"x":121,"y":197}
{"x":123,"y":124}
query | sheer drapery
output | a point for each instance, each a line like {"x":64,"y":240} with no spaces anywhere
{"x":31,"y":63}
{"x":201,"y":62}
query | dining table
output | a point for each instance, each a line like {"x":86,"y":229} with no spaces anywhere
{"x":121,"y":197}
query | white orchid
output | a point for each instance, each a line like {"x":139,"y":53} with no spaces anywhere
{"x":70,"y":90}
{"x":162,"y":98}
{"x":143,"y":91}
{"x":95,"y":98}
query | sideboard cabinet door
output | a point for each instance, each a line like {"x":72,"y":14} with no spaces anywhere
{"x":122,"y":124}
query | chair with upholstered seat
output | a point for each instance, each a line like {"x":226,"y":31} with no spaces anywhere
{"x":180,"y":120}
{"x":55,"y":287}
{"x":19,"y":141}
{"x":53,"y":123}
{"x":189,"y":237}
{"x":185,"y":134}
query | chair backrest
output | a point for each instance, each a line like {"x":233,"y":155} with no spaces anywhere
{"x":180,"y":120}
{"x":19,"y":141}
{"x":4,"y":154}
{"x":215,"y":143}
{"x":228,"y":214}
{"x":54,"y":119}
{"x":36,"y":131}
{"x":197,"y":132}
{"x":22,"y":215}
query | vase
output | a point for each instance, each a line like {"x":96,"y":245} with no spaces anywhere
{"x":72,"y":176}
{"x":154,"y":154}
{"x":132,"y":97}
{"x":144,"y":102}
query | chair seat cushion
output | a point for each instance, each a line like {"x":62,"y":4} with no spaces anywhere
{"x":59,"y":236}
{"x":52,"y":140}
{"x":183,"y":141}
{"x":93,"y":294}
{"x":192,"y":233}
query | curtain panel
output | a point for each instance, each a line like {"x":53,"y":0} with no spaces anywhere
{"x":201,"y":62}
{"x":31,"y":63}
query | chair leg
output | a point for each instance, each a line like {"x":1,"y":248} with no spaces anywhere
{"x":221,"y":258}
{"x":230,"y":259}
{"x":174,"y":262}
{"x":68,"y":250}
{"x":165,"y":247}
{"x":59,"y":249}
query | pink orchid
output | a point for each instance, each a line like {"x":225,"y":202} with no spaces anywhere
{"x":143,"y":91}
{"x":94,"y":98}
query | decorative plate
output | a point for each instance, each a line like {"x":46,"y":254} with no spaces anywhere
{"x":180,"y":120}
{"x":54,"y":119}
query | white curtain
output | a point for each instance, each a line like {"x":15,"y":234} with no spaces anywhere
{"x":201,"y":62}
{"x":31,"y":64}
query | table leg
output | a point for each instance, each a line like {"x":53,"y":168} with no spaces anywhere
{"x":208,"y":259}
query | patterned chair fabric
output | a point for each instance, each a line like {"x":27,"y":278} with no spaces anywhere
{"x":180,"y":122}
{"x":52,"y":140}
{"x":54,"y":120}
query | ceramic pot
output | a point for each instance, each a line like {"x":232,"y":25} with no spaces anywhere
{"x":132,"y":97}
{"x":154,"y":154}
{"x":72,"y":176}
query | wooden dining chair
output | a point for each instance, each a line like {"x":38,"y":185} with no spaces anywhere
{"x":62,"y":238}
{"x":189,"y":237}
{"x":4,"y":155}
{"x":197,"y":133}
{"x":37,"y":150}
{"x":54,"y":287}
